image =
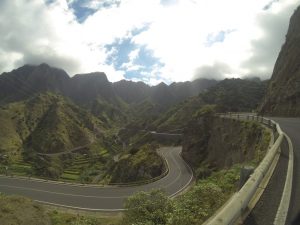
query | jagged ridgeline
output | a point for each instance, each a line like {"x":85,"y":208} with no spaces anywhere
{"x":57,"y":126}
{"x":229,"y":95}
{"x":76,"y":128}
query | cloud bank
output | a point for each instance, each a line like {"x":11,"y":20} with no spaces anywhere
{"x":148,"y":40}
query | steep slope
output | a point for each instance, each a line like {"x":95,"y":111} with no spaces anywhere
{"x":212,"y":143}
{"x":113,"y":103}
{"x":283,"y":95}
{"x":162,"y":94}
{"x":233,"y":95}
{"x":169,"y":107}
{"x":45,"y":123}
{"x":25,"y":81}
{"x":184,"y":90}
{"x":94,"y":92}
{"x":236,"y":95}
{"x":131,"y":92}
{"x":178,"y":116}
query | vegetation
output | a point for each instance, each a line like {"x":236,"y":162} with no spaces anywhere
{"x":236,"y":95}
{"x":16,"y":210}
{"x":137,"y":164}
{"x":63,"y":218}
{"x":193,"y":207}
{"x":35,"y":130}
{"x":283,"y":95}
{"x":75,"y":132}
{"x":149,"y":208}
{"x":212,"y":143}
{"x":22,"y":211}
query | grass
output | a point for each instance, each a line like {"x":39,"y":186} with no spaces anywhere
{"x":63,"y":218}
{"x":69,"y":177}
{"x":17,"y":210}
{"x":21,"y":211}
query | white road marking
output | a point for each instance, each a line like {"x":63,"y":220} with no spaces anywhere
{"x":165,"y":154}
{"x":61,"y":193}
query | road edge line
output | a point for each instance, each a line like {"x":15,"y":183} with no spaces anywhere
{"x":283,"y":208}
{"x":188,"y":183}
{"x":79,"y":208}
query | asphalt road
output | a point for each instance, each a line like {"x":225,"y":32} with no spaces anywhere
{"x":100,"y":198}
{"x":291,"y":126}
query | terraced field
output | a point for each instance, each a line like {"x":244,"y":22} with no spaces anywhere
{"x":72,"y":172}
{"x":19,"y":168}
{"x":85,"y":168}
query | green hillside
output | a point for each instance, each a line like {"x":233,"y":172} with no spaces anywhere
{"x":45,"y":124}
{"x":235,"y":95}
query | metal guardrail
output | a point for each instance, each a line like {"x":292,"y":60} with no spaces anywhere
{"x":234,"y":208}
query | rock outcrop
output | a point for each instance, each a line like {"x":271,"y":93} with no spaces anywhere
{"x":283,"y":95}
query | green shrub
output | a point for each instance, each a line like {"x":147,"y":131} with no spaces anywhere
{"x":147,"y":208}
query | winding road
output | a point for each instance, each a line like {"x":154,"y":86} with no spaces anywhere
{"x":96,"y":198}
{"x":291,"y":126}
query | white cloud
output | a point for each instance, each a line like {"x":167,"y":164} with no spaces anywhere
{"x":177,"y":35}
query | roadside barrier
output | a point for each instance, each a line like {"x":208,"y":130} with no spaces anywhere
{"x":234,"y":208}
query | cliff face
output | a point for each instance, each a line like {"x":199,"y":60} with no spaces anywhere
{"x":283,"y":95}
{"x":212,"y":143}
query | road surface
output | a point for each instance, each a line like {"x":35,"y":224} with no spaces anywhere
{"x":100,"y":198}
{"x":291,"y":126}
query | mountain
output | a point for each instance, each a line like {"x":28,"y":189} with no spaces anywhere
{"x":108,"y":101}
{"x":28,"y":80}
{"x":183,"y":90}
{"x":235,"y":95}
{"x":162,"y":94}
{"x":131,"y":92}
{"x":45,"y":123}
{"x":94,"y":92}
{"x":283,"y":95}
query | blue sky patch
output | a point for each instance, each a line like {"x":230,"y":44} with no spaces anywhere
{"x":213,"y":38}
{"x":120,"y":51}
{"x":84,"y":8}
{"x":120,"y":55}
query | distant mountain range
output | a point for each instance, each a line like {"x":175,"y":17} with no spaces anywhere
{"x":44,"y":110}
{"x":85,"y":88}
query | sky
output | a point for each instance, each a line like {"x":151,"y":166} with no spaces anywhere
{"x":146,"y":40}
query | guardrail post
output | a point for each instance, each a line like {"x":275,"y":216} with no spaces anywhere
{"x":245,"y":174}
{"x":269,"y":123}
{"x":247,"y":117}
{"x":238,"y":116}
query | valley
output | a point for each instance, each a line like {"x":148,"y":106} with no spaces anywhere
{"x":84,"y":150}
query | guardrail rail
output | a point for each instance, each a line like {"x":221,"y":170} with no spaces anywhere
{"x":234,"y":208}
